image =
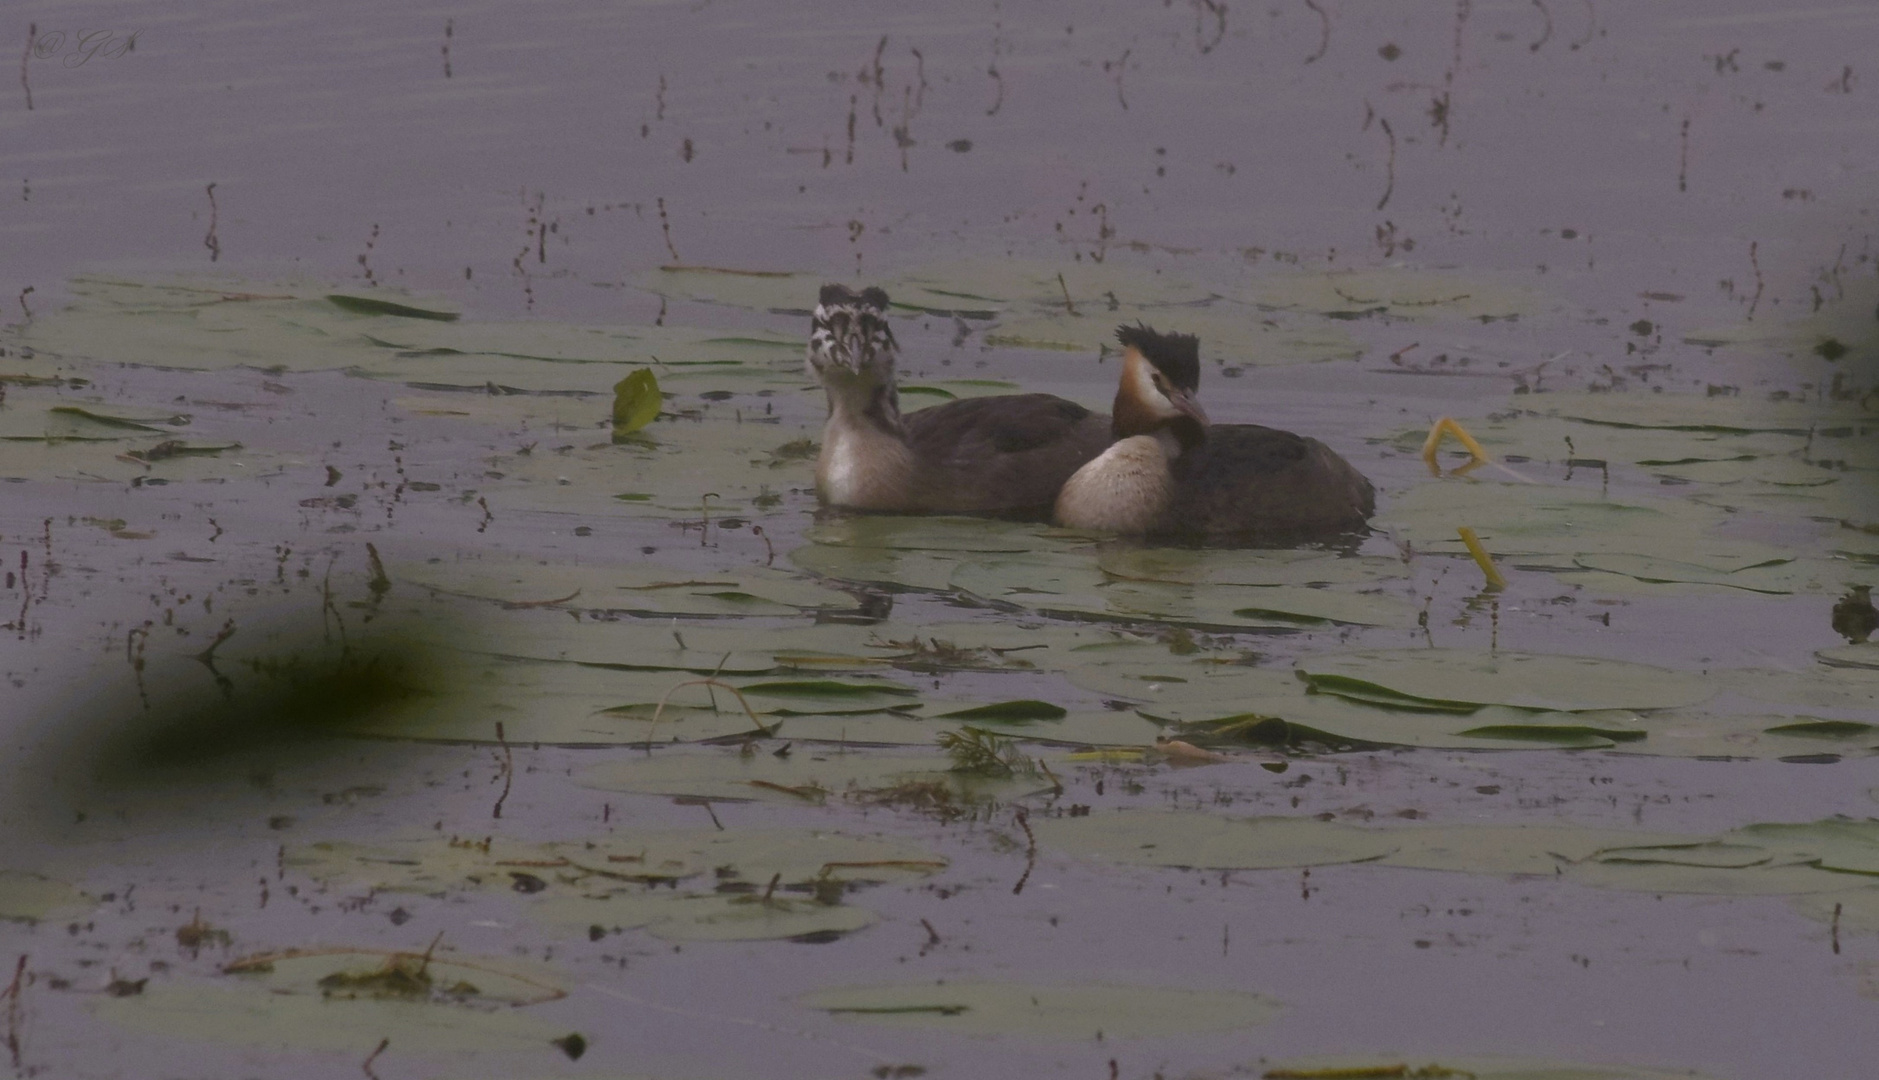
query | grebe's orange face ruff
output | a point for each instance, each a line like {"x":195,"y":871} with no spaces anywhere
{"x":1147,"y":400}
{"x":849,"y":336}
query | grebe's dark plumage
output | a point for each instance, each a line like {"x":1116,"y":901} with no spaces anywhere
{"x":1173,"y":474}
{"x":997,"y":455}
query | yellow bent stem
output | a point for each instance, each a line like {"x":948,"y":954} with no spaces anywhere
{"x":1478,"y":456}
{"x":1446,"y":427}
{"x":1482,"y":558}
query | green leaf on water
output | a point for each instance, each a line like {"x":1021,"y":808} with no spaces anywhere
{"x":175,"y":448}
{"x":1364,"y":1067}
{"x":1553,"y":734}
{"x":636,"y":402}
{"x":1079,"y":1011}
{"x":826,"y":688}
{"x":29,"y":897}
{"x":109,"y":421}
{"x":1824,"y":729}
{"x":1010,"y":712}
{"x":367,"y":305}
{"x":1459,"y":678}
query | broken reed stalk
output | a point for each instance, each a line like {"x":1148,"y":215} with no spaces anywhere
{"x":1482,"y":558}
{"x":659,"y":710}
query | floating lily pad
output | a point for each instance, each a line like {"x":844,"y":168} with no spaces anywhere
{"x":1188,"y":566}
{"x":1071,"y":583}
{"x":1826,"y":729}
{"x":380,"y":975}
{"x":727,"y":774}
{"x":1510,"y":849}
{"x":709,"y":885}
{"x":29,"y":897}
{"x":1159,"y":838}
{"x":1440,"y":1067}
{"x":372,"y":305}
{"x":1853,"y":656}
{"x":1457,"y":678}
{"x":630,"y":587}
{"x":1008,"y":712}
{"x":1760,"y":577}
{"x":307,"y":1021}
{"x":1081,"y":1011}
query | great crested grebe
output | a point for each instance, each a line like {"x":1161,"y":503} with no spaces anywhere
{"x":1171,"y":473}
{"x":1004,"y":455}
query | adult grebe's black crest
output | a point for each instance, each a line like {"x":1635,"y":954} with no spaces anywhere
{"x":1176,"y":356}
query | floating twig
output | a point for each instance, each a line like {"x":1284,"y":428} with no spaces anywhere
{"x":770,"y":549}
{"x":1219,"y":11}
{"x":1591,"y":27}
{"x":1756,"y":263}
{"x":508,"y":777}
{"x":849,"y":159}
{"x":1121,"y":66}
{"x":383,"y":1043}
{"x":26,"y":54}
{"x":12,"y":1009}
{"x":378,"y":584}
{"x":1683,"y":156}
{"x":1324,"y":32}
{"x":659,"y":710}
{"x":1389,"y":166}
{"x":1546,"y":32}
{"x":1030,"y":851}
{"x":665,"y":227}
{"x":210,"y":241}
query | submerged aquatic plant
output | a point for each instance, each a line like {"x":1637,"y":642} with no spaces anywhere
{"x":975,"y":750}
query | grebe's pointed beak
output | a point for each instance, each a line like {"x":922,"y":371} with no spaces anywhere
{"x":1185,"y":404}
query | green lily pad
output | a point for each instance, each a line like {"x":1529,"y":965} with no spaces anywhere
{"x":1758,"y":578}
{"x":1161,"y":838}
{"x":1453,"y":678}
{"x":1511,"y":849}
{"x":30,"y":897}
{"x":345,"y":974}
{"x":1010,"y":712}
{"x":629,"y":587}
{"x":372,"y":305}
{"x":710,"y":885}
{"x":1825,"y":729}
{"x":1081,"y":1011}
{"x":807,"y":774}
{"x":1865,"y":655}
{"x":1554,"y":734}
{"x":1462,"y":1067}
{"x":253,"y":1016}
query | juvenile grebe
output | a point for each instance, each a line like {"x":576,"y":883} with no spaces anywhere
{"x":1004,"y":455}
{"x":1171,"y":473}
